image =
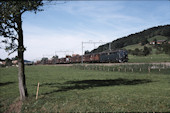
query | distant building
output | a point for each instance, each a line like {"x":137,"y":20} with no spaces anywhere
{"x":161,"y":41}
{"x":152,"y":43}
{"x":169,"y":42}
{"x":15,"y":62}
{"x":157,"y":42}
{"x":2,"y":62}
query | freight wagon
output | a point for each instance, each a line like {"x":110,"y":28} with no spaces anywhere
{"x":103,"y":57}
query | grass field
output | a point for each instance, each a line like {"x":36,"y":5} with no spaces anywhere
{"x":68,"y":89}
{"x":133,"y":47}
{"x":149,"y":59}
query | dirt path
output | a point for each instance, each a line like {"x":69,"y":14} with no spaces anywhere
{"x":15,"y":107}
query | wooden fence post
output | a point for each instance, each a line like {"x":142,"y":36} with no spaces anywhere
{"x":159,"y":69}
{"x":149,"y":70}
{"x":140,"y":70}
{"x":37,"y":91}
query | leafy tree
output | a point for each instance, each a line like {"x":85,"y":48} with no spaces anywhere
{"x":166,"y":48}
{"x":44,"y":60}
{"x":15,"y":58}
{"x":155,"y":40}
{"x":136,"y":51}
{"x":12,"y":32}
{"x":55,"y":58}
{"x":144,"y":41}
{"x":129,"y":51}
{"x":146,"y":51}
{"x":87,"y":52}
{"x":8,"y":62}
{"x":140,"y":52}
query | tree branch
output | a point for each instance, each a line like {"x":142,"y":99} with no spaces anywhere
{"x":12,"y":26}
{"x":7,"y":34}
{"x":23,"y":11}
{"x":12,"y":51}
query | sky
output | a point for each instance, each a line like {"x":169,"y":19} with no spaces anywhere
{"x":63,"y":26}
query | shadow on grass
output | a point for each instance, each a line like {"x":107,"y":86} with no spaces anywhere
{"x":6,"y":83}
{"x":85,"y":84}
{"x":49,"y":84}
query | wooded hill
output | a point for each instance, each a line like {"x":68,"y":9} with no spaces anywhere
{"x":138,"y":38}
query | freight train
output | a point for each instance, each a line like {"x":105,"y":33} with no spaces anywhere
{"x":117,"y":56}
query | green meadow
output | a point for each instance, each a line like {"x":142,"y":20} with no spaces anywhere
{"x":153,"y":58}
{"x":77,"y":89}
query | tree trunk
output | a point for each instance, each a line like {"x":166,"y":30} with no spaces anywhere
{"x":21,"y":68}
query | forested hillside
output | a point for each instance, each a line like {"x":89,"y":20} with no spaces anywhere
{"x":137,"y":38}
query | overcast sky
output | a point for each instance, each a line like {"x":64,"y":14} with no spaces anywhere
{"x":64,"y":26}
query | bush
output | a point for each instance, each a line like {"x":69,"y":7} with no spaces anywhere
{"x":166,"y":48}
{"x":146,"y":51}
{"x":1,"y":65}
{"x":140,"y":52}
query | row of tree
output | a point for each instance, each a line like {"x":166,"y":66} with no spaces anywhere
{"x":7,"y":62}
{"x":140,"y":52}
{"x":163,"y":48}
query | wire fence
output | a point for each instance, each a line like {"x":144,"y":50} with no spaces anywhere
{"x":140,"y":68}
